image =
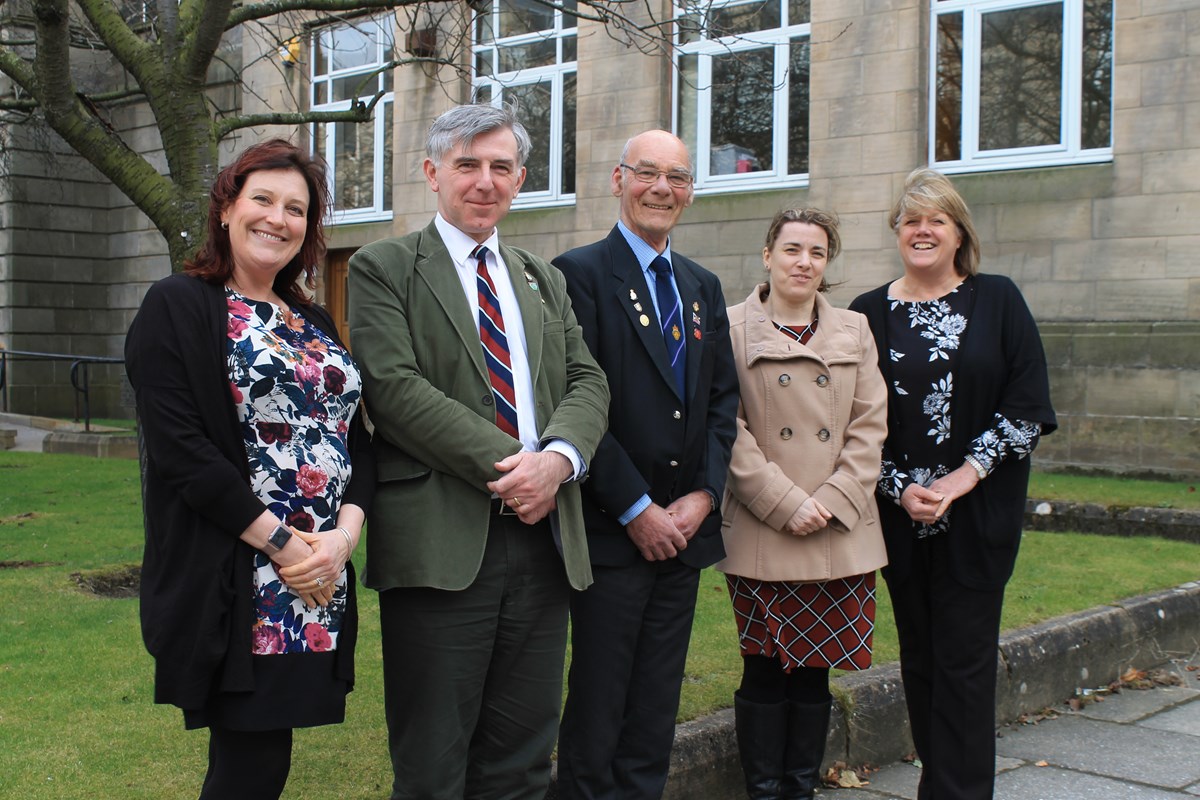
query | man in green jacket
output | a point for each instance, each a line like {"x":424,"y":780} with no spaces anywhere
{"x":487,"y":408}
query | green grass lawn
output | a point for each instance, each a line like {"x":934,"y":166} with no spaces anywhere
{"x":77,"y":717}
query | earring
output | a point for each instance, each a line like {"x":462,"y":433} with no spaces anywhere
{"x":224,"y":226}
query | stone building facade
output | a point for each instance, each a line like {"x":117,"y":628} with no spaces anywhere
{"x":1102,"y":234}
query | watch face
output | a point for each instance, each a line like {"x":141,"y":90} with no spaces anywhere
{"x":279,"y":537}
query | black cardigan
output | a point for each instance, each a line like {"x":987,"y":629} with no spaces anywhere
{"x":196,"y":604}
{"x":1001,"y":368}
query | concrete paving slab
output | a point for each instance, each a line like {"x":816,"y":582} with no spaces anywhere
{"x":1194,"y":790}
{"x":1184,"y":718}
{"x":1125,"y":752}
{"x":1050,"y":783}
{"x":1131,"y":704}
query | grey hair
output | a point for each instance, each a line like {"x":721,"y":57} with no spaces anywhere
{"x":461,"y":124}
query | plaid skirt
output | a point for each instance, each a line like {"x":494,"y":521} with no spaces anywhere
{"x":822,"y":624}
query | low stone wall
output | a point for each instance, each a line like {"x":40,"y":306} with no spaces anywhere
{"x":1169,"y":523}
{"x":101,"y":445}
{"x":1039,"y":666}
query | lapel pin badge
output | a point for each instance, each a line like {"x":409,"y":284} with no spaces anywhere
{"x":532,"y":281}
{"x":644,"y":320}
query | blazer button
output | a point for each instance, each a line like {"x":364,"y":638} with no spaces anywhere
{"x":677,"y":415}
{"x":823,"y":435}
{"x":822,"y":380}
{"x":785,"y":379}
{"x":487,"y":400}
{"x":786,"y":433}
{"x":674,"y":463}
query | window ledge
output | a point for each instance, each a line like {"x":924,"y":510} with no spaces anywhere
{"x":543,"y":202}
{"x":1040,"y":162}
{"x":749,"y":185}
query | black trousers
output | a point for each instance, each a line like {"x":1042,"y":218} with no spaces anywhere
{"x":247,"y":765}
{"x":473,"y":678}
{"x":629,"y":640}
{"x":949,"y":641}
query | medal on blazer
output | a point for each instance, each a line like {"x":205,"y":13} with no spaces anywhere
{"x":644,"y":320}
{"x":695,"y":320}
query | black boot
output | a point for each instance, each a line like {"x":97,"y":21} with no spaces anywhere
{"x":808,"y":725}
{"x":761,"y":734}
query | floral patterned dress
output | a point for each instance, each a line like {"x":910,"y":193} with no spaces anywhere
{"x":924,"y":337}
{"x":296,"y":392}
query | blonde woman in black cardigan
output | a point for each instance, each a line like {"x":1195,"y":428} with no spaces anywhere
{"x":968,"y":400}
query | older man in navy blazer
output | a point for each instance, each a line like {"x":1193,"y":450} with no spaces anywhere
{"x":656,"y":323}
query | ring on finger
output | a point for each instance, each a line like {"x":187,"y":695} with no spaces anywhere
{"x":320,"y":581}
{"x":516,"y":502}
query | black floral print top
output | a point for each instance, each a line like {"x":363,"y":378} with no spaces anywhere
{"x":924,"y":337}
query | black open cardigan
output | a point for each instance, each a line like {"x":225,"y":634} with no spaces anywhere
{"x":196,"y":604}
{"x":1001,"y":368}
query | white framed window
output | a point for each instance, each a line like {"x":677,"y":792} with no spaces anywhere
{"x":524,"y":52}
{"x":741,"y":89}
{"x":348,"y":67}
{"x":1020,"y":83}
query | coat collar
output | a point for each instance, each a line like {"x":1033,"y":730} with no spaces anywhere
{"x":832,"y":342}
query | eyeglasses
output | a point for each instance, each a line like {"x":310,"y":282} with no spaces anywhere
{"x":677,"y":179}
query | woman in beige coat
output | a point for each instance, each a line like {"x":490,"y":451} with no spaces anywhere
{"x":800,"y":523}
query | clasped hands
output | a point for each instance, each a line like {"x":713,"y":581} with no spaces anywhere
{"x":313,"y":574}
{"x":529,"y":482}
{"x":810,"y":517}
{"x":928,"y":504}
{"x":661,"y":533}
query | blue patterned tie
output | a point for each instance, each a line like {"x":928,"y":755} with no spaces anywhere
{"x":495,"y":347}
{"x":672,"y":323}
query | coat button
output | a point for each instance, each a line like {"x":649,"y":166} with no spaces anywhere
{"x":822,"y":380}
{"x":785,"y":379}
{"x":487,"y":400}
{"x":674,"y":463}
{"x":677,"y":415}
{"x":823,"y":435}
{"x":786,"y":433}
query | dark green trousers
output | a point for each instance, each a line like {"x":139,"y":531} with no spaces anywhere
{"x":473,"y":678}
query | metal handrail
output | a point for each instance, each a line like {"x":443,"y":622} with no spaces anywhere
{"x":79,"y":376}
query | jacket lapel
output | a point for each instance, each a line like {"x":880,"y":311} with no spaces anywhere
{"x":694,"y":313}
{"x":527,"y":288}
{"x":435,"y":269}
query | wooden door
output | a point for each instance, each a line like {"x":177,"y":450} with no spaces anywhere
{"x":335,"y":290}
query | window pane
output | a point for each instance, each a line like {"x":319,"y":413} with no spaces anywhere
{"x":799,"y":11}
{"x":746,"y":18}
{"x":483,"y":94}
{"x":689,"y":78}
{"x":354,"y":165}
{"x":569,"y":49}
{"x":533,"y":109}
{"x":483,"y":63}
{"x":320,"y":54}
{"x":387,"y":156}
{"x":743,"y":112}
{"x":568,"y":145}
{"x":798,"y":107}
{"x":1097,"y":73}
{"x":535,"y":54}
{"x":351,"y":47}
{"x":948,"y":115}
{"x":690,"y":28}
{"x":1020,"y":78}
{"x":483,"y":28}
{"x":524,"y":16}
{"x":354,"y":87}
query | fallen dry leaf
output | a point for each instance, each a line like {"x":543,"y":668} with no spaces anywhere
{"x":1042,"y":764}
{"x":849,"y":780}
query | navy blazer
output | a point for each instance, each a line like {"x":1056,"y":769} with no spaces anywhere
{"x":657,"y":443}
{"x":1001,"y":368}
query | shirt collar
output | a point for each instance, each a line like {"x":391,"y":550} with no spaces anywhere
{"x":641,"y":250}
{"x":459,"y":245}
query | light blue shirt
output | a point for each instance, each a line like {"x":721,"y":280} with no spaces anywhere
{"x":644,"y":253}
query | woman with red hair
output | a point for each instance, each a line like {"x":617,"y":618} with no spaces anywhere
{"x":248,"y":406}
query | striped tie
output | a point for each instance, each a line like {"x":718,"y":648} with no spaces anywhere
{"x":495,"y":347}
{"x":672,"y":323}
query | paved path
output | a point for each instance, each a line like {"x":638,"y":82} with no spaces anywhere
{"x":29,"y":440}
{"x":1136,"y":745}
